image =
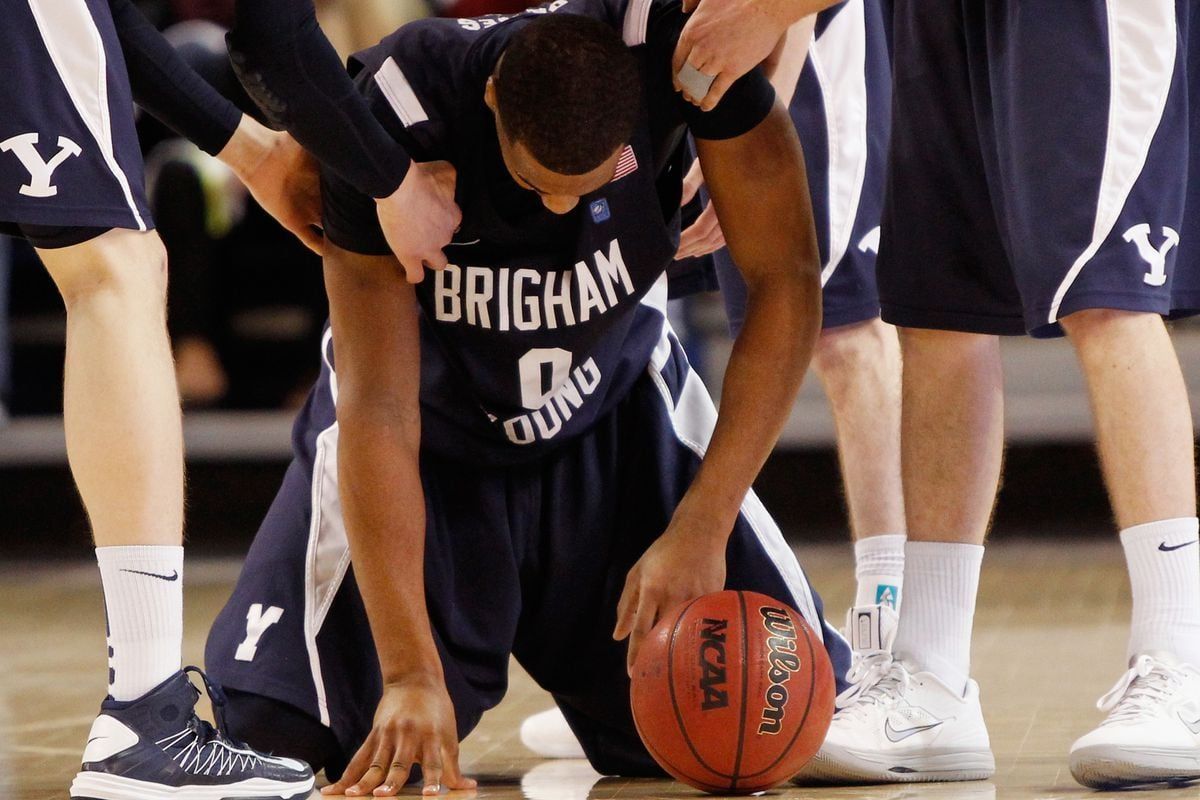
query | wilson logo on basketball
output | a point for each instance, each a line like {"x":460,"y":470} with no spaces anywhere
{"x":783,"y":661}
{"x":712,"y":664}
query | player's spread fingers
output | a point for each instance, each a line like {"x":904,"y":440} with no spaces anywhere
{"x":397,"y":776}
{"x":452,"y":775}
{"x":431,"y":769}
{"x":354,"y":770}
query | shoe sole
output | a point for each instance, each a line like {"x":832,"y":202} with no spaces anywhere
{"x":102,"y":786}
{"x":849,"y":767}
{"x":1107,"y":767}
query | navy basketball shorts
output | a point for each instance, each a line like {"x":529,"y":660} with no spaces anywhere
{"x":1038,"y":164}
{"x":526,"y":560}
{"x":69,"y":155}
{"x":842,"y":109}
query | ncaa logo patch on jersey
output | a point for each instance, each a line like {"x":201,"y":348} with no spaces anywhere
{"x":599,"y":209}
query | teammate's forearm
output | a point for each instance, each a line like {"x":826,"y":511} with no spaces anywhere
{"x":384,"y":508}
{"x":164,"y":84}
{"x":784,"y":66}
{"x":296,"y":77}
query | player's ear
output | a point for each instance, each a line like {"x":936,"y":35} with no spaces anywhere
{"x":489,"y":93}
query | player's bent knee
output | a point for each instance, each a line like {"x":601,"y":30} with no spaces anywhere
{"x":277,"y":728}
{"x":125,"y":263}
{"x":848,"y":347}
{"x":1090,"y":322}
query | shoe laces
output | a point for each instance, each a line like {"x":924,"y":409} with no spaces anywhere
{"x":875,"y":679}
{"x":227,"y":754}
{"x":1141,"y":690}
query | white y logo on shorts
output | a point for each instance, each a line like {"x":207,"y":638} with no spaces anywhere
{"x":870,"y":242}
{"x":1157,"y":259}
{"x":40,"y":171}
{"x":257,"y":622}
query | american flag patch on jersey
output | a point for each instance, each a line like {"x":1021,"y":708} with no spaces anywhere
{"x":626,"y":164}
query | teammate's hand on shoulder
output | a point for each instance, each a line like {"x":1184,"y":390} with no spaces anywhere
{"x":281,"y":176}
{"x":420,"y":217}
{"x":704,"y":235}
{"x":687,"y":561}
{"x":728,"y":38}
{"x":414,"y":724}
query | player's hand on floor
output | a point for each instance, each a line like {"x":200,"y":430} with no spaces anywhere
{"x":686,"y":562}
{"x":282,"y":177}
{"x":414,"y":724}
{"x":704,"y":235}
{"x":420,"y":217}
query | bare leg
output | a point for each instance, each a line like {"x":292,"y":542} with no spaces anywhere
{"x":120,"y":405}
{"x":1143,"y":421}
{"x":952,"y":444}
{"x":125,"y":445}
{"x":859,"y":366}
{"x":1144,"y":434}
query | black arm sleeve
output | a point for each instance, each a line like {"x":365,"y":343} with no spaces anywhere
{"x":293,"y":73}
{"x":745,"y":104}
{"x":167,"y":87}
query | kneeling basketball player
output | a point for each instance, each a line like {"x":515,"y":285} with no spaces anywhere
{"x":513,"y":456}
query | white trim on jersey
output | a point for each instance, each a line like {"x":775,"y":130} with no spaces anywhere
{"x":1142,"y":51}
{"x":328,"y":556}
{"x":637,"y":16}
{"x":77,"y":50}
{"x":400,"y":94}
{"x":839,"y":58}
{"x":693,"y":419}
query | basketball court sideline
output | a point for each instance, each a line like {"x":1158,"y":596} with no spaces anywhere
{"x":1049,"y":638}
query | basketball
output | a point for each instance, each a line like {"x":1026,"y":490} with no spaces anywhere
{"x":733,"y":693}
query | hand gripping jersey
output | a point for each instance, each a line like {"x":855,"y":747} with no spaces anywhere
{"x":541,"y":323}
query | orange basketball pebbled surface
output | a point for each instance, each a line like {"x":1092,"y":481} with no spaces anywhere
{"x":733,"y":692}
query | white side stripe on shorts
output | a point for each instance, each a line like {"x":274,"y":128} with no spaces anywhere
{"x":77,"y":50}
{"x":839,"y":58}
{"x":1141,"y":46}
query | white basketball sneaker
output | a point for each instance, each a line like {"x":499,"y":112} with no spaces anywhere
{"x":547,"y":734}
{"x":1152,"y":732}
{"x":896,"y":725}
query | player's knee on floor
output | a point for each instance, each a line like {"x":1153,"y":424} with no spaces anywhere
{"x":274,"y":727}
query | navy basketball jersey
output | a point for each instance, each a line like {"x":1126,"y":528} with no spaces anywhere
{"x":541,"y":323}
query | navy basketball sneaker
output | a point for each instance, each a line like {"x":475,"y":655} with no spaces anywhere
{"x":156,"y":748}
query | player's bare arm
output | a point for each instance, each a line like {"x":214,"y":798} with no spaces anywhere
{"x":758,"y":185}
{"x":725,"y":39}
{"x":377,"y":350}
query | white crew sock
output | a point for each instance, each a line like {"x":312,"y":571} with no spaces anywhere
{"x":143,"y":597}
{"x":1164,"y":573}
{"x":879,"y":568}
{"x":941,"y":581}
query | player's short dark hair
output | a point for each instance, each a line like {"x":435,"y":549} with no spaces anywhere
{"x":569,"y":90}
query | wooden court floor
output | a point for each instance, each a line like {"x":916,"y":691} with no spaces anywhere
{"x":1049,"y":640}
